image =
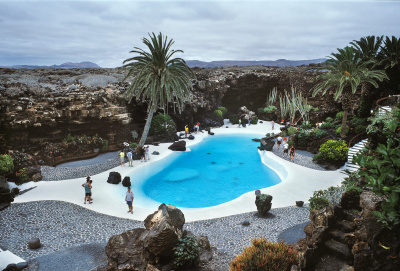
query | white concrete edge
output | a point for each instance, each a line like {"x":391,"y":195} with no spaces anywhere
{"x":298,"y":183}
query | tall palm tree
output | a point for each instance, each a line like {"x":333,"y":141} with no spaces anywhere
{"x":368,"y":48}
{"x":158,"y":79}
{"x":389,"y":57}
{"x":346,"y":71}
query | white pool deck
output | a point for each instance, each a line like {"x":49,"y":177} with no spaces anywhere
{"x":298,"y":183}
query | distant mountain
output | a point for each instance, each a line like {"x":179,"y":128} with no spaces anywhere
{"x":229,"y":63}
{"x":67,"y":65}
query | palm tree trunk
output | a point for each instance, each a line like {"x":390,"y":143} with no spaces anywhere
{"x":147,"y":126}
{"x":344,"y":123}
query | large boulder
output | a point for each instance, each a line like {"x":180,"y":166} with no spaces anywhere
{"x":178,"y":146}
{"x":114,"y":177}
{"x":263,"y":203}
{"x":140,"y":249}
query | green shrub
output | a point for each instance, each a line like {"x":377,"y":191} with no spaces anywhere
{"x":104,"y":148}
{"x":332,"y":151}
{"x":291,"y":143}
{"x":133,"y":145}
{"x":217,"y":113}
{"x":187,"y":253}
{"x":305,"y":126}
{"x":339,"y":130}
{"x":358,"y":121}
{"x":291,"y":130}
{"x":303,"y":138}
{"x":260,"y":111}
{"x":15,"y":191}
{"x":22,"y":175}
{"x":339,"y":115}
{"x":283,"y":133}
{"x":326,"y":125}
{"x":272,"y":134}
{"x":234,"y":119}
{"x":268,"y":135}
{"x":254,"y":119}
{"x":6,"y":164}
{"x":321,"y":134}
{"x":265,"y":255}
{"x":270,"y":109}
{"x":318,"y":200}
{"x":69,"y":138}
{"x":329,"y":119}
{"x":161,"y":124}
{"x":224,"y":110}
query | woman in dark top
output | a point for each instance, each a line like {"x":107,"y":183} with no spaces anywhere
{"x":291,"y":153}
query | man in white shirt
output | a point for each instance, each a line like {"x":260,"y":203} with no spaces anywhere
{"x":279,"y":141}
{"x":129,"y":199}
{"x":286,"y":150}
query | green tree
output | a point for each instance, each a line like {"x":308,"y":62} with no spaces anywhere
{"x":346,"y":71}
{"x":159,"y":78}
{"x":368,"y":48}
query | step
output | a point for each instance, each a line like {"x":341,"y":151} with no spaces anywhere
{"x":337,"y":235}
{"x":339,"y":250}
{"x":331,"y":263}
{"x":345,"y":226}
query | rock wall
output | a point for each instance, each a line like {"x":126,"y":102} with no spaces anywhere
{"x":42,"y":106}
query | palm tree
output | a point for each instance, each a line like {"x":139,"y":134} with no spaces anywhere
{"x":389,"y":57}
{"x":346,"y":71}
{"x":368,"y":48}
{"x":158,"y":79}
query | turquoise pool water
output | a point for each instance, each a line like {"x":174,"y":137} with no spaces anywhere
{"x":217,"y":170}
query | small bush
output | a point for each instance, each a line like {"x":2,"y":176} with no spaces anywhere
{"x":133,"y":145}
{"x":292,"y":130}
{"x":187,"y":253}
{"x":69,"y":138}
{"x":339,"y":130}
{"x":15,"y":192}
{"x":224,"y":110}
{"x":321,"y":133}
{"x":305,"y":126}
{"x":217,"y":113}
{"x":291,"y":143}
{"x":332,"y":151}
{"x":234,"y":119}
{"x":265,"y":255}
{"x":254,"y":119}
{"x":260,"y":111}
{"x":104,"y":148}
{"x":22,"y":175}
{"x":318,"y":200}
{"x":329,"y":119}
{"x":326,"y":125}
{"x":339,"y":115}
{"x":6,"y":164}
{"x":270,"y":109}
{"x":268,"y":134}
{"x":161,"y":124}
{"x":283,"y":133}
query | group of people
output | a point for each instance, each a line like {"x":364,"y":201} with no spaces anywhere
{"x":196,"y":128}
{"x":88,"y":194}
{"x":289,"y":151}
{"x":144,"y":153}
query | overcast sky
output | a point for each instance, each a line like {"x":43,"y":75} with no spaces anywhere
{"x":103,"y":32}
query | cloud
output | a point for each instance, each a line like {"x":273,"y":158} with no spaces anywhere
{"x":104,"y":32}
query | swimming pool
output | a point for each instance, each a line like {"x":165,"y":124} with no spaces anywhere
{"x":217,"y":170}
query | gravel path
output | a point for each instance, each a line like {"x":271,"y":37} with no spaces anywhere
{"x":66,"y":229}
{"x":74,"y":238}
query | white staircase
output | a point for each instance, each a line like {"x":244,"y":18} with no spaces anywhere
{"x":349,"y":165}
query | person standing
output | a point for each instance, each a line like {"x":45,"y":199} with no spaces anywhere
{"x":142,"y":154}
{"x":129,"y":198}
{"x":240,"y":123}
{"x":88,"y":192}
{"x":147,"y":153}
{"x":273,"y":125}
{"x":186,"y":130}
{"x":249,"y":120}
{"x":121,"y":156}
{"x":130,"y":160}
{"x":279,"y":141}
{"x":291,"y":154}
{"x":198,"y":126}
{"x":286,"y":150}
